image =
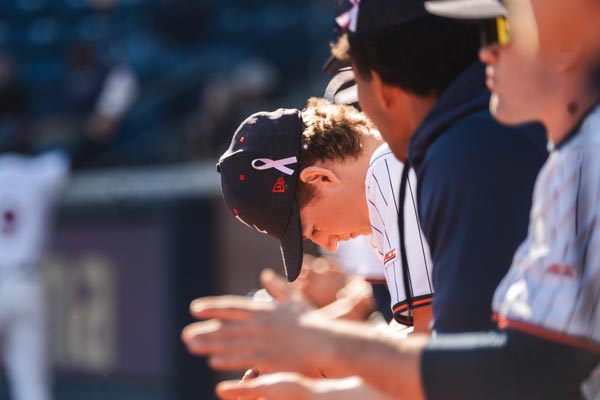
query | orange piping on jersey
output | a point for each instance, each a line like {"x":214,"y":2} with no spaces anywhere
{"x":376,"y":281}
{"x":505,"y":323}
{"x":404,"y":306}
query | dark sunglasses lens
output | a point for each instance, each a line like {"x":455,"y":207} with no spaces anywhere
{"x":488,"y":32}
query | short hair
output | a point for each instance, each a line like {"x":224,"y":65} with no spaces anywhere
{"x":331,"y":132}
{"x":422,"y":56}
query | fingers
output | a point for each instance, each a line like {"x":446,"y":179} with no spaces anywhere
{"x":228,"y":308}
{"x":235,"y":362}
{"x":229,"y":390}
{"x":251,"y":374}
{"x":277,"y":286}
{"x":215,"y":337}
{"x":268,"y":387}
{"x":282,"y":291}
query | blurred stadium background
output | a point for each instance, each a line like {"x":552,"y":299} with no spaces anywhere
{"x":159,"y":85}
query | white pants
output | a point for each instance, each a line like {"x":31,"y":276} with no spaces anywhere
{"x":24,"y":339}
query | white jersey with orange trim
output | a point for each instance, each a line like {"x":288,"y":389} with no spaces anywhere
{"x":383,"y":190}
{"x":553,"y":286}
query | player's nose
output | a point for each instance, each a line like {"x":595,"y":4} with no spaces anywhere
{"x":489,"y":54}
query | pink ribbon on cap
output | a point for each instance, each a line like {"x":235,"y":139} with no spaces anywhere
{"x":349,"y":19}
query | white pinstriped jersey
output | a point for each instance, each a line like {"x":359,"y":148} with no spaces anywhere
{"x":29,"y":188}
{"x":383,"y":190}
{"x":553,"y":286}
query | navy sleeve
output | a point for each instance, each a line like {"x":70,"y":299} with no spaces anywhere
{"x":503,"y":365}
{"x":475,"y":191}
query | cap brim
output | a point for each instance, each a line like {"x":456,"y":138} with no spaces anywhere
{"x":347,"y":96}
{"x":466,"y":9}
{"x":292,"y":246}
{"x":338,"y":81}
{"x":334,"y":64}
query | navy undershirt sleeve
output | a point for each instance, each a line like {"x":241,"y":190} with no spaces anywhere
{"x":503,"y":365}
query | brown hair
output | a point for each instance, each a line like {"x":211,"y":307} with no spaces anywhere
{"x":331,"y":132}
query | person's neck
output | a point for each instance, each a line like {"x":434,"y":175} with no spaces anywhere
{"x":420,"y":107}
{"x":406,"y":121}
{"x":356,"y":168}
{"x":567,"y":114}
{"x":354,"y":172}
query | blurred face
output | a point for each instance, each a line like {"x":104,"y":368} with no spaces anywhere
{"x":395,"y":131}
{"x":332,"y":216}
{"x":524,"y":75}
{"x":515,"y":72}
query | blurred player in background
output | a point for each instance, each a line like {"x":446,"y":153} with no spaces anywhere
{"x":30,"y":188}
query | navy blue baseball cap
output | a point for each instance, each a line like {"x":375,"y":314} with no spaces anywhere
{"x":467,"y":9}
{"x":367,"y":17}
{"x":258,"y":179}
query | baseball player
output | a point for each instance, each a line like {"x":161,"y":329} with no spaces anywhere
{"x":546,"y":305}
{"x":29,"y":190}
{"x":294,"y":174}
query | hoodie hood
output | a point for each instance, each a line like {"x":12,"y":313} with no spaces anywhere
{"x":466,"y":95}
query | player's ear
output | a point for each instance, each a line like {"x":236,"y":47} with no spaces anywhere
{"x":319,"y":176}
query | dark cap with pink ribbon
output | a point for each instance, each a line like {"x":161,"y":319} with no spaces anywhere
{"x":367,"y":18}
{"x":258,"y":179}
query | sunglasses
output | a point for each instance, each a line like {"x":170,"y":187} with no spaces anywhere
{"x":494,"y":31}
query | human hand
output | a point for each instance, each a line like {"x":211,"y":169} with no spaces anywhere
{"x":290,"y":386}
{"x":240,"y":333}
{"x":251,"y":374}
{"x":320,"y":280}
{"x":355,"y":301}
{"x":282,"y":385}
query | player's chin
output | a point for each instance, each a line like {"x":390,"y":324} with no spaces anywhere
{"x":504,"y":113}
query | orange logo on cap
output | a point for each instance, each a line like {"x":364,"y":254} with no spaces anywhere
{"x":279,"y":186}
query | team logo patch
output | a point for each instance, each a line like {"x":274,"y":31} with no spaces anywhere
{"x":279,"y":186}
{"x":389,"y":256}
{"x":561,"y":270}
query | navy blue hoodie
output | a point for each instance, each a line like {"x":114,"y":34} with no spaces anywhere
{"x":475,"y":184}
